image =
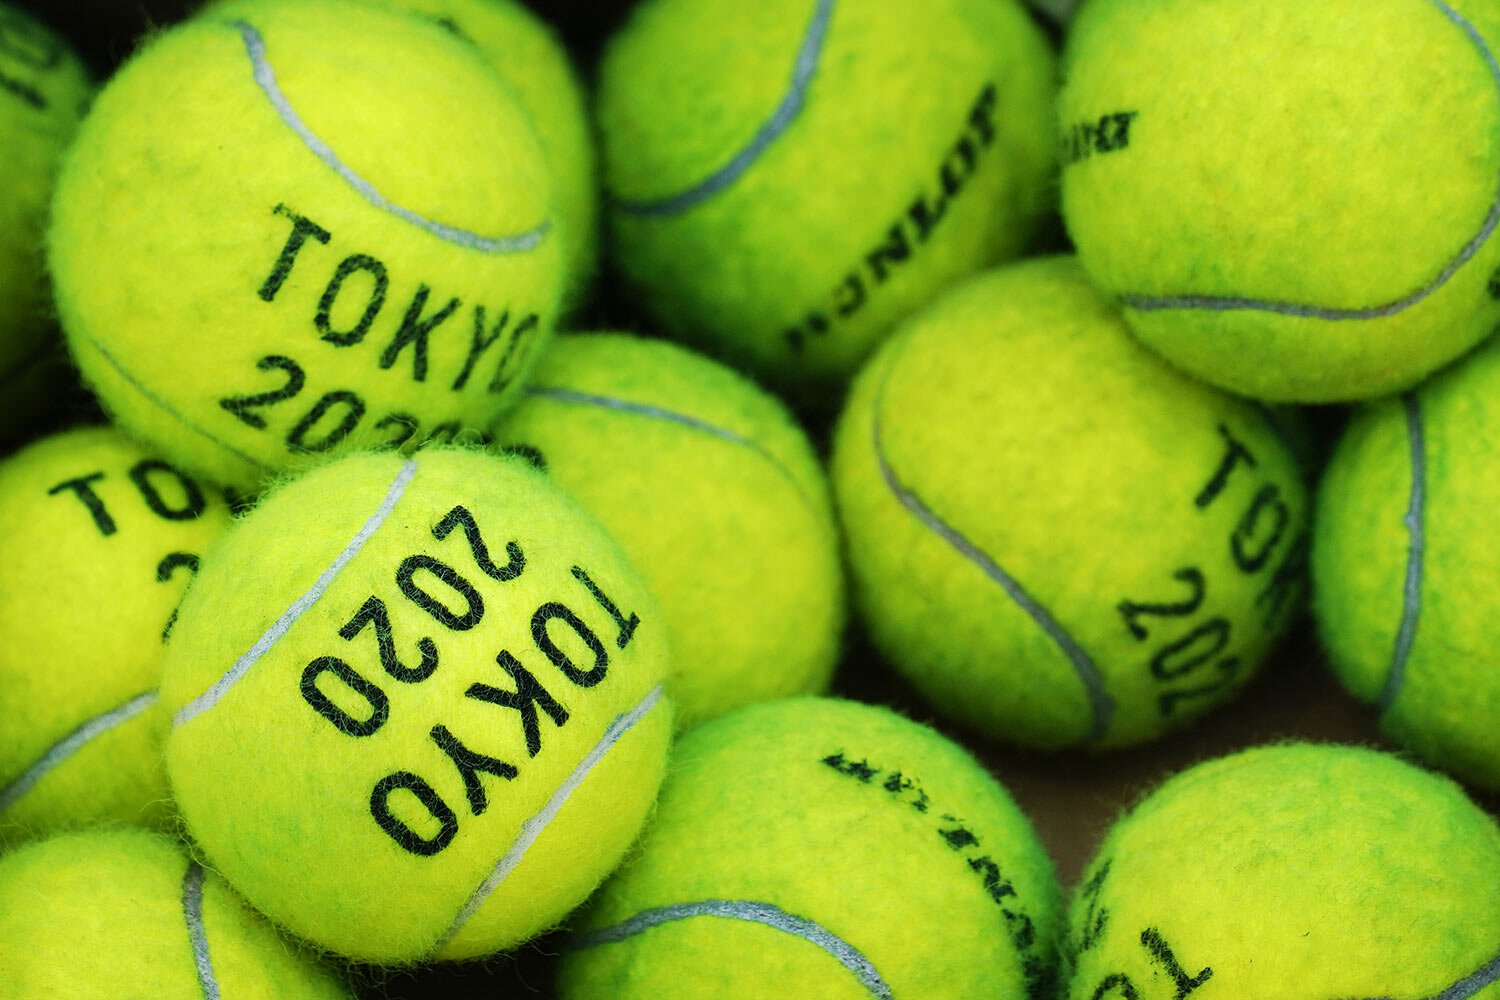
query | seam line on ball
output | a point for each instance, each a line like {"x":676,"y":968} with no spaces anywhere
{"x":792,"y":102}
{"x":1416,"y":550}
{"x":1471,"y":984}
{"x":71,"y":744}
{"x":1156,"y":303}
{"x":265,"y":78}
{"x":300,"y":606}
{"x":842,"y":951}
{"x":192,"y":911}
{"x":162,"y":404}
{"x":1101,"y":705}
{"x":532,"y":828}
{"x":671,"y":416}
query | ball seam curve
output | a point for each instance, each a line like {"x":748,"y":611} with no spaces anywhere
{"x":1301,"y":310}
{"x":265,"y":78}
{"x":750,"y":911}
{"x":804,"y":68}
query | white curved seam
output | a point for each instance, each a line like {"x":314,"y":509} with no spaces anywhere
{"x":208,"y":699}
{"x":816,"y":934}
{"x":71,"y":744}
{"x":265,"y":78}
{"x":533,"y":827}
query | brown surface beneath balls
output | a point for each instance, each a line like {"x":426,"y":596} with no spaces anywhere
{"x":1073,"y":798}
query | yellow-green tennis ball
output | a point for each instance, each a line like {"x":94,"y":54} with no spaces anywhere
{"x":1404,"y":566}
{"x":43,"y":92}
{"x":105,"y":915}
{"x":416,"y":705}
{"x":821,"y":848}
{"x":1058,"y":538}
{"x":788,"y":179}
{"x":527,"y":53}
{"x":98,"y":540}
{"x":298,"y":227}
{"x":1296,"y":201}
{"x":714,"y":493}
{"x":1298,"y":870}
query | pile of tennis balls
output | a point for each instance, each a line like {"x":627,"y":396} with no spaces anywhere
{"x":492,"y":470}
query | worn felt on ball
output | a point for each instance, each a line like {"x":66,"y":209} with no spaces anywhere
{"x":715,"y":494}
{"x":1296,"y":201}
{"x":1058,"y":538}
{"x":818,"y":847}
{"x":434,"y":687}
{"x":268,"y":244}
{"x":1294,"y":870}
{"x":99,"y":539}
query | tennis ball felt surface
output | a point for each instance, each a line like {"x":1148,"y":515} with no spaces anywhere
{"x":527,"y":53}
{"x":1296,"y":201}
{"x":1294,"y":870}
{"x":435,"y":688}
{"x":45,"y":92}
{"x":788,"y":180}
{"x":1404,"y":565}
{"x":99,"y":539}
{"x":714,"y":493}
{"x":1058,"y":538}
{"x":817,"y":847}
{"x":103,"y":915}
{"x":269,"y":246}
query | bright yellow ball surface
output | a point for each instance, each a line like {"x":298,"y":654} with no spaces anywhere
{"x":100,"y":916}
{"x":527,"y":53}
{"x":1404,"y":566}
{"x":269,"y":246}
{"x":788,"y":179}
{"x":1294,"y":200}
{"x":716,"y":495}
{"x":417,"y":705}
{"x":805,"y":848}
{"x":99,"y":539}
{"x":1058,"y":538}
{"x":1293,"y":870}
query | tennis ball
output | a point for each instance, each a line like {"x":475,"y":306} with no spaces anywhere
{"x":99,"y":539}
{"x":98,"y":916}
{"x":416,"y":705}
{"x":714,"y":492}
{"x":1292,"y":200}
{"x":1056,"y":537}
{"x":1298,"y":870}
{"x":43,"y":91}
{"x":1404,"y":569}
{"x":284,"y":233}
{"x":788,"y":179}
{"x":528,"y":54}
{"x":823,"y":848}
